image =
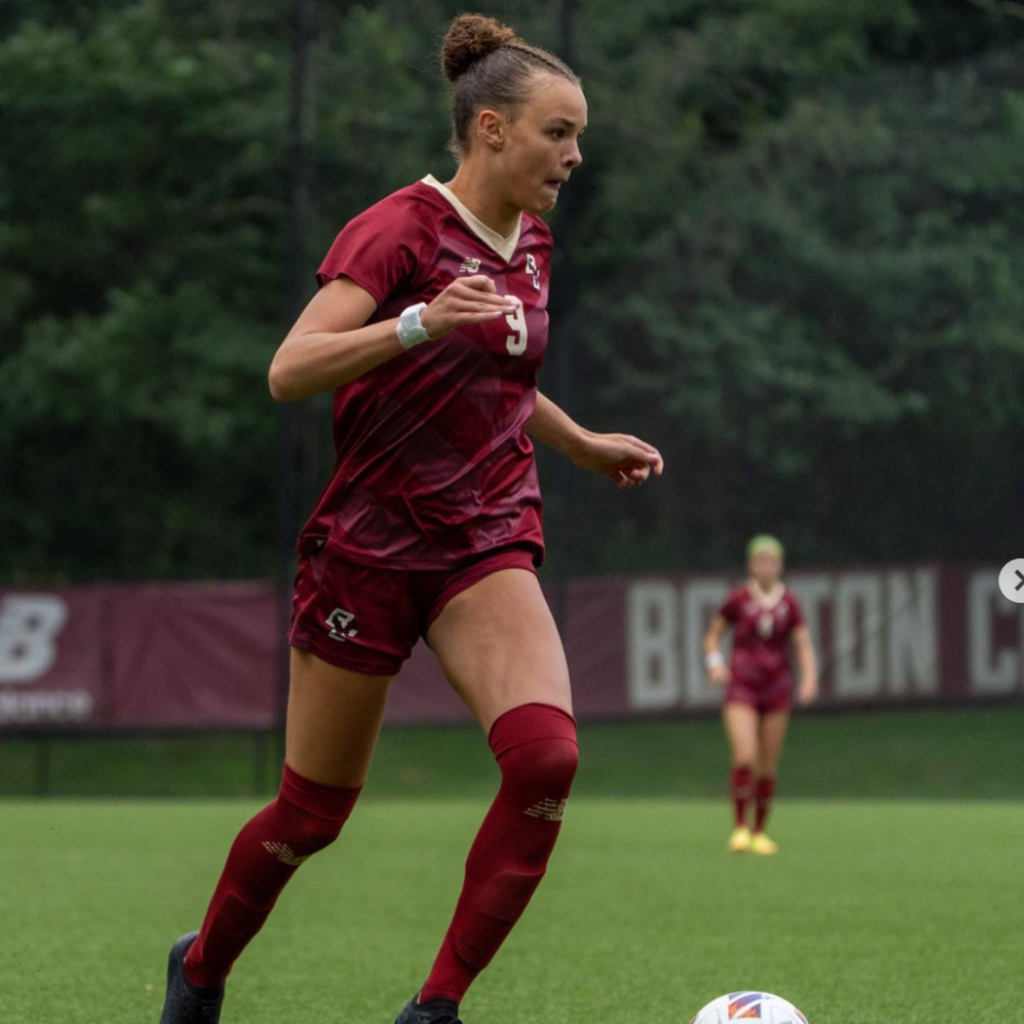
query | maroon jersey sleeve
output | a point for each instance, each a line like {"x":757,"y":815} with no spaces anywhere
{"x":380,"y":250}
{"x":730,"y":611}
{"x":796,"y":611}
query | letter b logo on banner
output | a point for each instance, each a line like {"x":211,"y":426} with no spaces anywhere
{"x":29,"y":626}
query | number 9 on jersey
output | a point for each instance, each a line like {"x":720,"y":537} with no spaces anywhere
{"x":516,"y":343}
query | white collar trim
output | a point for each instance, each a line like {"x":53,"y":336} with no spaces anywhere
{"x":504,"y":247}
{"x":766,"y":601}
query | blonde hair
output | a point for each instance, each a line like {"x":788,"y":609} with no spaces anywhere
{"x":764,"y":542}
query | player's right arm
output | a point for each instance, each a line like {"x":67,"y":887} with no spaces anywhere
{"x":718,"y":672}
{"x":332,"y":344}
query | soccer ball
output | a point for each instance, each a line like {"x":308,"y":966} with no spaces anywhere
{"x":762,"y":1006}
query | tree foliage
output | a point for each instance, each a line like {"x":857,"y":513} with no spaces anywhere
{"x":795,"y":248}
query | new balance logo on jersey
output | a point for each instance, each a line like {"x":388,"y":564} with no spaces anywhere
{"x":548,"y":809}
{"x":339,"y":621}
{"x":285,"y":854}
{"x":469,"y":266}
{"x":533,"y":270}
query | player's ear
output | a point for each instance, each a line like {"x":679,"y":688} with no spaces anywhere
{"x":490,"y":126}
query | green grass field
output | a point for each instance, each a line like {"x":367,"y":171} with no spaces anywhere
{"x":873,"y":913}
{"x":923,"y":754}
{"x":895,"y":901}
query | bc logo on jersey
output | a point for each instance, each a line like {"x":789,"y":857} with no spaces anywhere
{"x":533,"y":270}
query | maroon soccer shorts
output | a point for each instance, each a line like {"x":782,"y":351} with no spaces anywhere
{"x":368,"y":619}
{"x":776,"y":696}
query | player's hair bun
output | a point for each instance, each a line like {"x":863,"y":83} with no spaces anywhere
{"x":490,"y":66}
{"x":470,"y":38}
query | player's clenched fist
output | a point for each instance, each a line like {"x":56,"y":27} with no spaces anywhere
{"x":467,"y":300}
{"x":718,"y":673}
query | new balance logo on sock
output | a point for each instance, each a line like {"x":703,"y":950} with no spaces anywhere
{"x":285,"y":854}
{"x":548,"y":809}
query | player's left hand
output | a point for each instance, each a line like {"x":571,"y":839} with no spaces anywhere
{"x":808,"y":692}
{"x":625,"y":460}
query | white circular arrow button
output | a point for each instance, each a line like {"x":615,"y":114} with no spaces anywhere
{"x":1011,"y":580}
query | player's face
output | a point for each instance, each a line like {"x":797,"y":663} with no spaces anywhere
{"x":542,"y":146}
{"x":766,"y":568}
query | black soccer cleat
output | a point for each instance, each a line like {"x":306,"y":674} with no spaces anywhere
{"x":437,"y":1011}
{"x":186,"y":1003}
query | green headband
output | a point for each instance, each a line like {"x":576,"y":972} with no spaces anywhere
{"x":764,"y":542}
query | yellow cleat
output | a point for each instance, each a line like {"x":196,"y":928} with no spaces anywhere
{"x":739,"y":841}
{"x":760,"y":843}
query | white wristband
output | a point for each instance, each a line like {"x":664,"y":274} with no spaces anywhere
{"x":409,"y":329}
{"x":714,"y":659}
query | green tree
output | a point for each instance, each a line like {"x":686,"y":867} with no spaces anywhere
{"x":794,"y":247}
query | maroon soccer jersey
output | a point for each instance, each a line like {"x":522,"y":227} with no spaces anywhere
{"x":433,"y":462}
{"x":762,"y":625}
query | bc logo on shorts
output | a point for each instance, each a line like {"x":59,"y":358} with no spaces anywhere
{"x":338,"y":622}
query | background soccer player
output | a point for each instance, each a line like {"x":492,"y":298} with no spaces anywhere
{"x":430,"y":327}
{"x":765,"y":618}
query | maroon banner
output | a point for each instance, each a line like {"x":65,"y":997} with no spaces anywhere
{"x":194,"y":655}
{"x":163,"y":655}
{"x":55,"y":657}
{"x":921,"y":633}
{"x":207,"y":655}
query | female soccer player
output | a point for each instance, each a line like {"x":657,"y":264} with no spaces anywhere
{"x":765,"y":616}
{"x":430,"y":326}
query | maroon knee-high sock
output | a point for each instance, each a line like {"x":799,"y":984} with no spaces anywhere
{"x":305,"y":817}
{"x":536,"y":749}
{"x":763,"y":801}
{"x":742,"y":786}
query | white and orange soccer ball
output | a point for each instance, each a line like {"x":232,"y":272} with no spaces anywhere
{"x":750,"y":1006}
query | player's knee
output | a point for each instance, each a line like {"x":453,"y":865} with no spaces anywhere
{"x":316,"y":833}
{"x":536,"y":748}
{"x":548,"y":764}
{"x":315,"y":813}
